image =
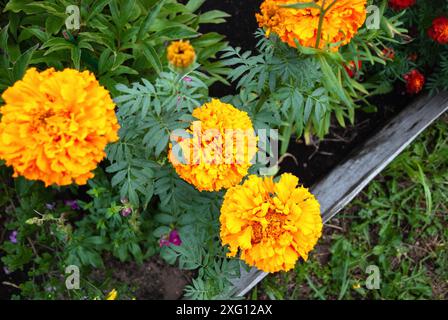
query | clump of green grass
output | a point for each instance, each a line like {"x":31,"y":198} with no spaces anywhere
{"x":399,"y":224}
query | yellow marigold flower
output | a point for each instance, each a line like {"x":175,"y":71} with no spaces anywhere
{"x":112,"y":295}
{"x":341,"y":22}
{"x":272,"y":224}
{"x":217,"y":153}
{"x":181,"y":54}
{"x":55,"y":126}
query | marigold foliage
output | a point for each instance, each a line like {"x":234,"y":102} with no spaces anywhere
{"x":272,"y":224}
{"x":55,"y":126}
{"x":181,"y":54}
{"x":206,"y":159}
{"x":341,"y":21}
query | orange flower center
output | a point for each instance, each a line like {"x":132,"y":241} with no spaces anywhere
{"x":41,"y":117}
{"x":273,"y":230}
{"x":180,"y":51}
{"x":272,"y":16}
{"x":418,"y":83}
{"x":257,"y":232}
{"x":444,"y":31}
{"x":275,"y":227}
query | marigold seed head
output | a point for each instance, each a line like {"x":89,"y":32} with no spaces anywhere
{"x":181,"y":54}
{"x":55,"y":126}
{"x":218,"y":149}
{"x":271,"y":224}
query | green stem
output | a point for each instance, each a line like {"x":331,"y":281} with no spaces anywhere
{"x":307,"y":134}
{"x":287,"y":132}
{"x":323,"y":12}
{"x":261,"y":101}
{"x":319,"y":26}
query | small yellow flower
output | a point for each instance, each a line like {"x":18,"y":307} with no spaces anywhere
{"x":55,"y":126}
{"x":112,"y":295}
{"x":181,"y":54}
{"x":271,"y":224}
{"x":356,"y":285}
{"x":218,"y":153}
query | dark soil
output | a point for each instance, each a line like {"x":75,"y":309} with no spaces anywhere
{"x":152,"y":280}
{"x":312,"y":163}
{"x":241,"y":26}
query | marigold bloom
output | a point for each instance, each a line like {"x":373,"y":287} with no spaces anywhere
{"x":439,"y":30}
{"x":181,"y":54}
{"x":272,"y":224}
{"x":340,"y":23}
{"x":415,"y":81}
{"x":401,"y":4}
{"x":55,"y":126}
{"x":219,"y":150}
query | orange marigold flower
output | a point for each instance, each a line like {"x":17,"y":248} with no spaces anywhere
{"x":415,"y":81}
{"x":218,"y":150}
{"x":341,"y":22}
{"x":55,"y":126}
{"x":271,"y":224}
{"x":439,"y":30}
{"x":401,"y":4}
{"x":181,"y":54}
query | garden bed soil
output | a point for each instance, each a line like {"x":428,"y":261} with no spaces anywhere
{"x":152,"y":280}
{"x":312,"y":163}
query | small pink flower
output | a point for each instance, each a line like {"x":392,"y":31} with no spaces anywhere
{"x":126,"y":211}
{"x":164,"y":243}
{"x":172,"y":239}
{"x":175,"y":238}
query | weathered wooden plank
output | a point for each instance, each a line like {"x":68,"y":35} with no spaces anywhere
{"x":336,"y":190}
{"x":347,"y":180}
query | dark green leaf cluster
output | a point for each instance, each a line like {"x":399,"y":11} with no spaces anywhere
{"x":118,"y":40}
